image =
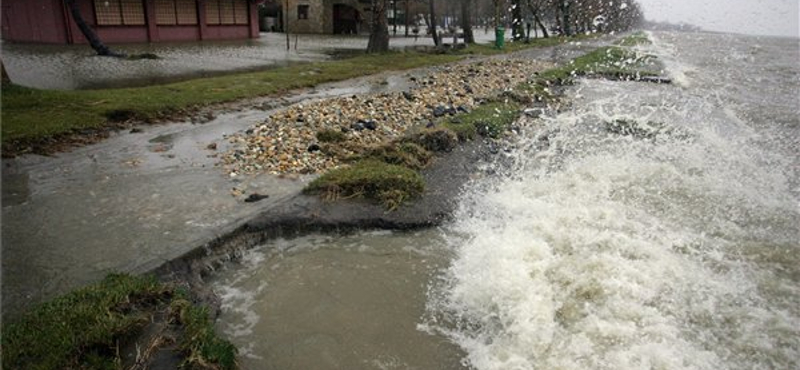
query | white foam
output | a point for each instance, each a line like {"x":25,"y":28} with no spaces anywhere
{"x":608,"y":251}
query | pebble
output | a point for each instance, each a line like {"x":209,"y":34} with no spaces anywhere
{"x":286,"y":143}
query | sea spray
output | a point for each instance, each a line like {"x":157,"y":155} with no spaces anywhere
{"x":608,"y":250}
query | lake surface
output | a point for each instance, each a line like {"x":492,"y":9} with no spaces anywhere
{"x":647,"y":227}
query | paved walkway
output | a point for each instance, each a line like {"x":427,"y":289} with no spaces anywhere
{"x":136,"y":200}
{"x":76,"y":67}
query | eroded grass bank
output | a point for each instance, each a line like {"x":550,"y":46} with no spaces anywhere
{"x":121,"y":322}
{"x":390,"y":173}
{"x":33,"y":116}
{"x":91,"y":327}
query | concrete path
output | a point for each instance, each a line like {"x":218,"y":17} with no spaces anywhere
{"x":136,"y":200}
{"x":77,"y":67}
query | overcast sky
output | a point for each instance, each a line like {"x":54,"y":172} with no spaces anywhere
{"x":759,"y":17}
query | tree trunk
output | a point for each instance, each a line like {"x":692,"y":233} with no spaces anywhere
{"x":466,"y":21}
{"x":565,"y":5}
{"x":517,"y":31}
{"x":379,"y":29}
{"x":6,"y":78}
{"x":541,"y":25}
{"x":434,"y":34}
{"x":498,"y":14}
{"x":87,"y":31}
{"x":407,"y":18}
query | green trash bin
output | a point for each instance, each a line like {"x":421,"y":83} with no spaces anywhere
{"x":499,"y":37}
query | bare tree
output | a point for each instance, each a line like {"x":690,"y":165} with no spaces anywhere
{"x":537,"y":9}
{"x":517,"y":30}
{"x":434,"y":34}
{"x":466,"y":21}
{"x":379,"y":28}
{"x":6,"y":78}
{"x":88,"y":32}
{"x":565,"y":6}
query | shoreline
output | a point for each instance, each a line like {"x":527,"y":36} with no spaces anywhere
{"x":295,"y":214}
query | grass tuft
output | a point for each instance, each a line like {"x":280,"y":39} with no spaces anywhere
{"x":386,"y":183}
{"x":610,"y":61}
{"x":406,"y":154}
{"x":490,"y":119}
{"x":433,"y":139}
{"x":84,"y":329}
{"x":330,"y":136}
{"x":203,"y":347}
{"x":638,"y":38}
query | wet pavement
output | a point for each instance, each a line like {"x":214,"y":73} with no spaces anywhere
{"x":137,"y":200}
{"x":69,"y":67}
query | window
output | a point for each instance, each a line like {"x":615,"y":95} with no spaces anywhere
{"x":227,"y":12}
{"x":172,"y":12}
{"x":302,"y":12}
{"x":119,"y":12}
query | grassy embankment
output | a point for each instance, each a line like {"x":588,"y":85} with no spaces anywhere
{"x":88,"y":329}
{"x":394,"y":178}
{"x":30,"y":116}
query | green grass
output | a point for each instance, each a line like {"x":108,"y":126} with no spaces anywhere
{"x":330,"y":136}
{"x":490,"y":119}
{"x":638,"y":38}
{"x":386,"y":183}
{"x":438,"y":139}
{"x":610,"y":61}
{"x":84,"y":329}
{"x":200,"y":343}
{"x":510,"y":47}
{"x":406,"y":154}
{"x":539,"y":92}
{"x":30,"y":114}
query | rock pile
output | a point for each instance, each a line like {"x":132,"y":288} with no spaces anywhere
{"x":287,"y":141}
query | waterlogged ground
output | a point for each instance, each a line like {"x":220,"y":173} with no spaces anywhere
{"x":69,"y":67}
{"x":650,"y":226}
{"x":335,"y":302}
{"x":138,"y":199}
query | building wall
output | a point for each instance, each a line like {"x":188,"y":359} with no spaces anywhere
{"x":320,"y":15}
{"x":34,"y":21}
{"x":311,"y":25}
{"x":48,"y":21}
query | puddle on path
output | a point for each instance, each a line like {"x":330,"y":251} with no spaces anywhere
{"x":336,"y":302}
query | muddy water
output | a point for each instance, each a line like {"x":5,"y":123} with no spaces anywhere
{"x":336,"y":302}
{"x":136,"y":199}
{"x":673,"y":245}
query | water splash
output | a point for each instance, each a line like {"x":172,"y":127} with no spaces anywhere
{"x":672,"y":249}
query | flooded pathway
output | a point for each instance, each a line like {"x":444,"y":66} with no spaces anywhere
{"x":672,"y":245}
{"x":70,"y":67}
{"x":136,"y":200}
{"x":336,"y":302}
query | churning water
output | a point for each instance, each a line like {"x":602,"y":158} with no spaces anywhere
{"x":647,"y":227}
{"x":650,"y":227}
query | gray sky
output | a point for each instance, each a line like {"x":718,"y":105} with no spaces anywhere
{"x":759,"y":17}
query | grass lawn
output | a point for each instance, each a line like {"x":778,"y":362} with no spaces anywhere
{"x":33,"y":114}
{"x":86,"y":328}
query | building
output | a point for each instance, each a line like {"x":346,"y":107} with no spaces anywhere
{"x":122,"y":21}
{"x":328,"y":16}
